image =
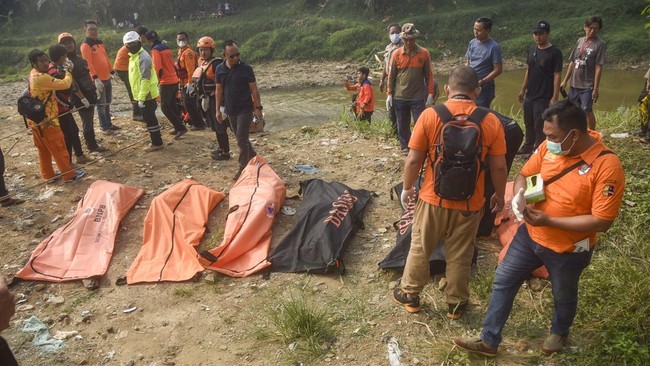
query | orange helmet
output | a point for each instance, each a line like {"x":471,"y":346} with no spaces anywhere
{"x":205,"y":42}
{"x":64,"y":35}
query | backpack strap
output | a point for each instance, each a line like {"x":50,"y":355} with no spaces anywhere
{"x":573,"y":166}
{"x":443,"y":112}
{"x":478,"y":115}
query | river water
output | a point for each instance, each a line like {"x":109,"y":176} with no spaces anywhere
{"x":287,"y":108}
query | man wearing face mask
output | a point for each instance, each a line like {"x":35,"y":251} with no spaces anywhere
{"x":395,"y":42}
{"x":583,"y":189}
{"x":410,"y":78}
{"x":144,"y":84}
{"x":185,"y":66}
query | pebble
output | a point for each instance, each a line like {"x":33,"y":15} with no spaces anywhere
{"x":392,"y":285}
{"x":209,"y":278}
{"x":24,"y":307}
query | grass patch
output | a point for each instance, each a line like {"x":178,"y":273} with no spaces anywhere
{"x":183,"y":292}
{"x":379,"y":128}
{"x":302,"y":325}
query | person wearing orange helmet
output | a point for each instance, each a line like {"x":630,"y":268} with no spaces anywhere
{"x":204,"y":79}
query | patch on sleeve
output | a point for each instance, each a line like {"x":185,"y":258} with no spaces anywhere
{"x":608,"y":190}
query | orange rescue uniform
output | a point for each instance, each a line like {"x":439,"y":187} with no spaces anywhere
{"x":94,"y":52}
{"x":425,"y":138}
{"x":163,"y":63}
{"x":596,"y":188}
{"x":185,"y":64}
{"x":122,"y":60}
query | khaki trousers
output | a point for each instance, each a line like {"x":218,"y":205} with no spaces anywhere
{"x":432,"y":225}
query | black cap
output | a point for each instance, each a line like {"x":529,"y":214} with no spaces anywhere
{"x":541,"y":27}
{"x":151,"y":35}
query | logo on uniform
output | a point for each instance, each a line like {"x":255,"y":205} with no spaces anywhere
{"x":584,"y":169}
{"x":608,"y":190}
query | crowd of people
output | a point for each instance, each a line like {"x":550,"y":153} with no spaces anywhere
{"x":218,"y":90}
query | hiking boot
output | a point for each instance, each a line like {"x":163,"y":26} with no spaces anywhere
{"x":553,"y":344}
{"x":8,"y":201}
{"x":98,"y":148}
{"x":178,"y":134}
{"x":77,"y":175}
{"x":114,"y":128}
{"x":455,"y":311}
{"x":405,"y":151}
{"x":475,"y":345}
{"x":108,"y":132}
{"x":411,"y":305}
{"x":82,"y":159}
{"x":152,"y":148}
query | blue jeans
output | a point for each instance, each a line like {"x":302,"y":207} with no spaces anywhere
{"x":488,"y":92}
{"x":523,"y":256}
{"x":104,"y":109}
{"x":403,"y":111}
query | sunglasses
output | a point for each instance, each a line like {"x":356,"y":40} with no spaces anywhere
{"x":234,"y":55}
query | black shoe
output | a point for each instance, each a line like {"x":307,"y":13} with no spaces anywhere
{"x":220,"y":155}
{"x":8,"y":201}
{"x":197,"y":128}
{"x":138,"y":118}
{"x":412,"y":305}
{"x":114,"y":128}
{"x":98,"y":148}
{"x":178,"y":134}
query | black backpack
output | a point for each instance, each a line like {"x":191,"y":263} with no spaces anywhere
{"x":31,"y":108}
{"x":457,"y":162}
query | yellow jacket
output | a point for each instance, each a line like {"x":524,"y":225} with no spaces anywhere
{"x":42,"y":87}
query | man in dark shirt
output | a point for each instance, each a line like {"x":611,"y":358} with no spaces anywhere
{"x":237,"y":93}
{"x":541,"y":85}
{"x":87,"y":94}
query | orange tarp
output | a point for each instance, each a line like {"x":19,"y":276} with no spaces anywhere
{"x":174,"y":226}
{"x":83,"y":247}
{"x":506,"y":226}
{"x":254,"y":200}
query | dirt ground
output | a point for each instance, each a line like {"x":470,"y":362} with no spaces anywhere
{"x":221,"y":322}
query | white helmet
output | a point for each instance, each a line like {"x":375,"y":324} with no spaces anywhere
{"x":130,"y":37}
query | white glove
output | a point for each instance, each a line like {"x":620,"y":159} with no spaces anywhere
{"x":99,"y":85}
{"x":205,"y":104}
{"x":429,"y":102}
{"x":85,"y":102}
{"x":389,"y":102}
{"x":141,"y":104}
{"x":406,"y":196}
{"x":68,"y":65}
{"x":519,"y":204}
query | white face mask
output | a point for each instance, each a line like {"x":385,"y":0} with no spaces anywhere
{"x":181,"y":43}
{"x":394,"y":38}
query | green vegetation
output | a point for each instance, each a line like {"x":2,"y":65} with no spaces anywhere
{"x":337,"y":30}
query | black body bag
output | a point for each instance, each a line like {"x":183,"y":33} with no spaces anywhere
{"x":326,"y":220}
{"x":396,"y":258}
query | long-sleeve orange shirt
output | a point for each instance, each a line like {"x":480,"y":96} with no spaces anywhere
{"x":163,"y":63}
{"x":94,"y":52}
{"x":42,"y":87}
{"x":122,"y":60}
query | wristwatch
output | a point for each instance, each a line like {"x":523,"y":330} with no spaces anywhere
{"x":259,"y":107}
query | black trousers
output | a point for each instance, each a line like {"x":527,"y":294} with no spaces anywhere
{"x":365,"y":116}
{"x":240,"y":125}
{"x":3,"y":188}
{"x":6,"y":357}
{"x":196,"y":119}
{"x":533,"y":122}
{"x":70,"y":134}
{"x":124,"y":76}
{"x":87,"y":115}
{"x":220,"y":129}
{"x":169,"y":107}
{"x":514,"y":136}
{"x":149,"y":116}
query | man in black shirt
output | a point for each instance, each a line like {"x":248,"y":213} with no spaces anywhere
{"x":237,"y":93}
{"x":541,"y":85}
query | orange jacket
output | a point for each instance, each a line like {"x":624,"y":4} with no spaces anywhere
{"x":163,"y":63}
{"x":94,"y":52}
{"x":185,"y":64}
{"x":122,"y":60}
